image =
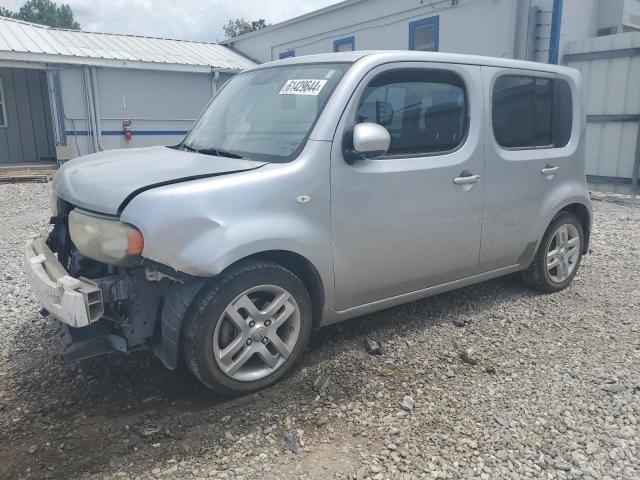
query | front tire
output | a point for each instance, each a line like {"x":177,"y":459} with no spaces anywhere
{"x":558,"y":256}
{"x":248,"y":327}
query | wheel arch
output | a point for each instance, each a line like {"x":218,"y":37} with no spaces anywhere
{"x":537,"y":273}
{"x":180,"y":298}
{"x":579,"y":206}
{"x":583,"y":214}
{"x":304,"y":269}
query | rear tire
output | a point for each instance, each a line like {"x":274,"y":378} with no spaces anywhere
{"x":248,"y":327}
{"x":559,"y":255}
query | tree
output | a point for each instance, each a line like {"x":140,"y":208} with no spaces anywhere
{"x":5,"y":13}
{"x":240,"y":26}
{"x":44,"y":12}
{"x":258,"y":24}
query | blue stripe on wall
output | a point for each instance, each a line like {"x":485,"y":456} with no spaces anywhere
{"x":84,"y":133}
{"x":556,"y":25}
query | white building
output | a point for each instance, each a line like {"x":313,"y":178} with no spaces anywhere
{"x":524,"y":29}
{"x":539,"y":30}
{"x":66,"y":93}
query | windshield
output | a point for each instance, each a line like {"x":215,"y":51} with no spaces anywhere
{"x":265,"y":114}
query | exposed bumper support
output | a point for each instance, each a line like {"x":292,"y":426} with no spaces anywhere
{"x":76,"y":302}
{"x":79,"y":344}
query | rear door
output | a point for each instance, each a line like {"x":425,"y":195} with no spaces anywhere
{"x":529,"y":148}
{"x":412,"y":218}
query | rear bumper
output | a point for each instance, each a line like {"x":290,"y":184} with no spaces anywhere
{"x":76,"y":302}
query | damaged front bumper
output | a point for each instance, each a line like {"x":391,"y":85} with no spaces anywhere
{"x":117,"y":310}
{"x":76,"y":302}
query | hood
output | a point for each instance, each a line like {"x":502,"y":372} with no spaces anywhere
{"x":103,"y":181}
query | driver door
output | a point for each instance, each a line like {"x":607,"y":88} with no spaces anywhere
{"x":410,"y":219}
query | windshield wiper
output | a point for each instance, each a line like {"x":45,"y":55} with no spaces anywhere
{"x":219,"y":152}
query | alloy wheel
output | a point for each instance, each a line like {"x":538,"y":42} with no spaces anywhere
{"x":563,"y":253}
{"x":256,"y":333}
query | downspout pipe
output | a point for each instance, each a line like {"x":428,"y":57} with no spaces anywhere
{"x":556,"y":27}
{"x":519,"y":40}
{"x":635,"y":174}
{"x":96,"y":108}
{"x":214,"y":83}
{"x":89,"y":108}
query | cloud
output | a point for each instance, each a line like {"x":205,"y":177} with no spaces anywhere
{"x":185,"y":19}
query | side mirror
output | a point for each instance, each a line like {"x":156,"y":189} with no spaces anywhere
{"x":369,"y":140}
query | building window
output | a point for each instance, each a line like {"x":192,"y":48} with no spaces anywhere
{"x":344,"y":45}
{"x":532,"y":112}
{"x":424,"y":35}
{"x":287,"y":54}
{"x":425,"y":111}
{"x":3,"y":110}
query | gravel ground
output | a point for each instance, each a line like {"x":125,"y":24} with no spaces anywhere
{"x":550,"y":389}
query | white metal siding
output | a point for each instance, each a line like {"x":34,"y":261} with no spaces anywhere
{"x":154,"y":101}
{"x":472,"y":26}
{"x":612,"y":87}
{"x":611,"y":149}
{"x":482,"y":27}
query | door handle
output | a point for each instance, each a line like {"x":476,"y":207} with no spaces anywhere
{"x":549,"y":170}
{"x":467,"y":180}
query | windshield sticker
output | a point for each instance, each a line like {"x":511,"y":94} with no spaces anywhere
{"x":303,"y":87}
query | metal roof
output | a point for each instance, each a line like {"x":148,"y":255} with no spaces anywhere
{"x":24,"y":41}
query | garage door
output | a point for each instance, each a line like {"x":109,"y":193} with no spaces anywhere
{"x":26,"y":132}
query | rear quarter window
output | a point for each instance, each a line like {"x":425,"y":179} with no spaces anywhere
{"x":532,"y":112}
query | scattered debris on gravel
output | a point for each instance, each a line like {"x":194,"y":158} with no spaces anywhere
{"x":290,"y":443}
{"x":408,"y":403}
{"x":503,"y":422}
{"x":373,"y":347}
{"x":468,"y":357}
{"x":555,"y":393}
{"x":321,"y":383}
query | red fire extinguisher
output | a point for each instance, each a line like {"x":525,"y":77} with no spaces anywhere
{"x":126,"y":128}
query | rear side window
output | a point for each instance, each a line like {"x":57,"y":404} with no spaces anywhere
{"x":425,"y":111}
{"x":532,"y":112}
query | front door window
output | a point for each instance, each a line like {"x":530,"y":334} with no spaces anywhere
{"x":425,"y":111}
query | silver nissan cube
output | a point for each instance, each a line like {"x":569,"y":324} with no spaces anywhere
{"x":313,"y":190}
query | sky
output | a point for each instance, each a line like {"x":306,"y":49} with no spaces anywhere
{"x":200,"y":20}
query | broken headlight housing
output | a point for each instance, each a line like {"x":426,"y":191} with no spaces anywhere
{"x":105,"y":240}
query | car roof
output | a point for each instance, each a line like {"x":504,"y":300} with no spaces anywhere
{"x":386,"y":56}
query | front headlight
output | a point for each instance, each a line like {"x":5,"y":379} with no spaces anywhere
{"x":105,"y":240}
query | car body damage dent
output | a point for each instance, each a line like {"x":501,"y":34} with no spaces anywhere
{"x":105,"y":182}
{"x":191,"y":228}
{"x":203,"y":226}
